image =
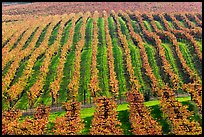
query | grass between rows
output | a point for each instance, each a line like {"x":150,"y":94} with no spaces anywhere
{"x":135,"y":55}
{"x":102,"y":58}
{"x":148,"y":26}
{"x":22,"y":103}
{"x":159,"y":26}
{"x":151,"y":52}
{"x":152,"y":61}
{"x":29,"y":39}
{"x":118,"y":58}
{"x":85,"y":70}
{"x":46,"y":97}
{"x":188,"y":57}
{"x":200,"y":45}
{"x":69,"y":65}
{"x":170,"y":58}
{"x":187,"y":49}
{"x":51,"y":41}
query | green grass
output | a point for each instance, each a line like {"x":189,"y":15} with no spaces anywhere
{"x":200,"y":45}
{"x":136,"y":29}
{"x":65,"y":34}
{"x":171,"y":24}
{"x":152,"y":61}
{"x":23,"y":101}
{"x":102,"y":61}
{"x":46,"y":98}
{"x":85,"y":71}
{"x":19,"y":70}
{"x":118,"y":58}
{"x":148,"y":26}
{"x":42,"y":36}
{"x":194,"y":57}
{"x":135,"y":55}
{"x":182,"y":24}
{"x":159,"y":26}
{"x":69,"y":65}
{"x":170,"y":58}
{"x":53,"y":34}
{"x":187,"y":57}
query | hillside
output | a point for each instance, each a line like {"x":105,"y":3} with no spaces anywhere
{"x":101,"y":72}
{"x":39,"y":8}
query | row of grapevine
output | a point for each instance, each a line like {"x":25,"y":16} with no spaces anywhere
{"x":112,"y":74}
{"x":138,"y":112}
{"x":188,"y":87}
{"x":94,"y":82}
{"x":192,"y":17}
{"x":35,"y":126}
{"x":74,"y":83}
{"x":22,"y":54}
{"x":36,"y":89}
{"x":9,"y":28}
{"x":15,"y":64}
{"x":18,"y":87}
{"x":13,"y":52}
{"x":70,"y":123}
{"x":105,"y":119}
{"x":21,"y":28}
{"x":167,"y":100}
{"x":167,"y":69}
{"x":55,"y":85}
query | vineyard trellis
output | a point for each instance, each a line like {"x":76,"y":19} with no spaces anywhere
{"x":125,"y":34}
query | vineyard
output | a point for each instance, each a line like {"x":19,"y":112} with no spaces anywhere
{"x":100,"y":58}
